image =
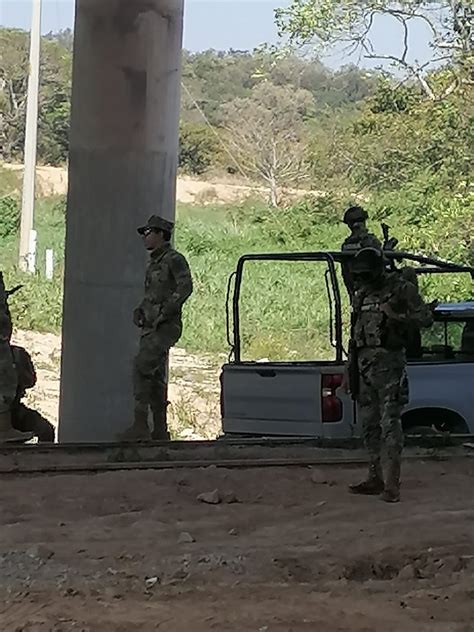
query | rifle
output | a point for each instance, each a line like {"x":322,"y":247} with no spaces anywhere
{"x":389,"y":243}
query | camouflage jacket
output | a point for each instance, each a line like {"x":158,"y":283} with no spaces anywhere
{"x":5,"y":318}
{"x":373,"y":328}
{"x":356,"y":241}
{"x":168,"y":284}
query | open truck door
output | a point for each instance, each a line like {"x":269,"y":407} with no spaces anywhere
{"x":293,"y":397}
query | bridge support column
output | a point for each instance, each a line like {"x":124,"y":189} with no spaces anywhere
{"x":123,"y":161}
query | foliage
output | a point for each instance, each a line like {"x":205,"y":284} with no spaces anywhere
{"x":211,"y":79}
{"x":197,"y":148}
{"x":356,"y":138}
{"x":54,"y":96}
{"x":284,"y":306}
{"x":351,"y":23}
{"x":9,"y":216}
{"x":396,"y":139}
{"x":266,"y":131}
{"x":13,"y":86}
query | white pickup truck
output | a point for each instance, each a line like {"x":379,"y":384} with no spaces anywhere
{"x":306,"y":399}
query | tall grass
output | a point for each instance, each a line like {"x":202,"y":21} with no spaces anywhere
{"x":284,"y":306}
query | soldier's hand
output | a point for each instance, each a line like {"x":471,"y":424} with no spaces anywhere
{"x":433,"y":305}
{"x":138,"y":317}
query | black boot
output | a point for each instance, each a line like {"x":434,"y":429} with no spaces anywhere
{"x":391,"y":493}
{"x":160,"y":416}
{"x":138,"y":431}
{"x":8,"y":434}
{"x":373,"y":485}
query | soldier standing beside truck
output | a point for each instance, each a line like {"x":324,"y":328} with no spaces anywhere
{"x":168,"y":284}
{"x":384,"y":308}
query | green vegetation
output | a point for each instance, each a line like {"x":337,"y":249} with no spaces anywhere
{"x":285,"y":312}
{"x":401,"y":147}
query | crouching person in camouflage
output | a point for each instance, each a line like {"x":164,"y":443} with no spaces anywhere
{"x":168,"y":284}
{"x":385,"y":306}
{"x":8,"y":375}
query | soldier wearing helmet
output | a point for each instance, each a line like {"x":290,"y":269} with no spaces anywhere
{"x":168,"y":285}
{"x":384,"y":308}
{"x":355,"y":218}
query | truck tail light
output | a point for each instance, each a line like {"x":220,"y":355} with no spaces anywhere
{"x":331,"y":405}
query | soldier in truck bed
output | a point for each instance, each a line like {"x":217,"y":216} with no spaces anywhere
{"x":385,"y":306}
{"x":355,"y":218}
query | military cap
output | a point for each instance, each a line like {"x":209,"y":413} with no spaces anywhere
{"x":156,"y":223}
{"x":355,"y":214}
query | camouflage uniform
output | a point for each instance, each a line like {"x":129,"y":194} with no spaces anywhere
{"x":8,"y":375}
{"x":168,"y":284}
{"x":8,"y":379}
{"x":383,"y":388}
{"x":355,"y":218}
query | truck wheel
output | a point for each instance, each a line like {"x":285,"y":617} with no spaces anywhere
{"x":433,"y":421}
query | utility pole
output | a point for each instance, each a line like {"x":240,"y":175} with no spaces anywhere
{"x":31,"y":133}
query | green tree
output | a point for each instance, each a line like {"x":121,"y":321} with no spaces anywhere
{"x":351,"y":23}
{"x":13,"y":86}
{"x":197,"y":148}
{"x":54,"y":96}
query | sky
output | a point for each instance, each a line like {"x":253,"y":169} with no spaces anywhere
{"x":220,"y":24}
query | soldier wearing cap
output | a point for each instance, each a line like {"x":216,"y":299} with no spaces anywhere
{"x":168,"y":284}
{"x":8,"y":375}
{"x":355,"y":218}
{"x":384,"y":308}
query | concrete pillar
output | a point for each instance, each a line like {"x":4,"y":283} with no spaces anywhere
{"x":123,"y":161}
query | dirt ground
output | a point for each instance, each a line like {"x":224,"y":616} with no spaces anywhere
{"x":54,"y":181}
{"x":137,"y":551}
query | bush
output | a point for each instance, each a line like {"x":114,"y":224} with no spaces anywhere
{"x":197,"y":148}
{"x":9,"y":216}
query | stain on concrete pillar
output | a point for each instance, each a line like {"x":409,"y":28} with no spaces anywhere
{"x":137,"y":82}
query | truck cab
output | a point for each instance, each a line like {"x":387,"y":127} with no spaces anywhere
{"x":441,"y":372}
{"x":306,"y":398}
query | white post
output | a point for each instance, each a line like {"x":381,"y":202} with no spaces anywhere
{"x":31,"y":256}
{"x":49,"y":264}
{"x":31,"y":133}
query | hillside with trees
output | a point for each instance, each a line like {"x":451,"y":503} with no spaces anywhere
{"x":399,"y":139}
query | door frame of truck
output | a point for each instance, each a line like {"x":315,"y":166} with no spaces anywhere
{"x":426,"y":265}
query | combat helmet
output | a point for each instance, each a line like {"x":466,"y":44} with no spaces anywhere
{"x":355,"y":214}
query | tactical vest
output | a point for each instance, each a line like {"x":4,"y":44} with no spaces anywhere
{"x":370,"y":325}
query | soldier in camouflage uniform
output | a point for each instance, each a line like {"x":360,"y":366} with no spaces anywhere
{"x":168,"y":284}
{"x":8,"y":375}
{"x":355,"y":218}
{"x":385,"y":305}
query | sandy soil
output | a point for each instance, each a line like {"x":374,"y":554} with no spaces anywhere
{"x":54,"y":181}
{"x":137,"y":551}
{"x":193,"y":390}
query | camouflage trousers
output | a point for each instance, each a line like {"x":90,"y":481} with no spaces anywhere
{"x":8,"y":378}
{"x":383,"y":393}
{"x":150,"y":366}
